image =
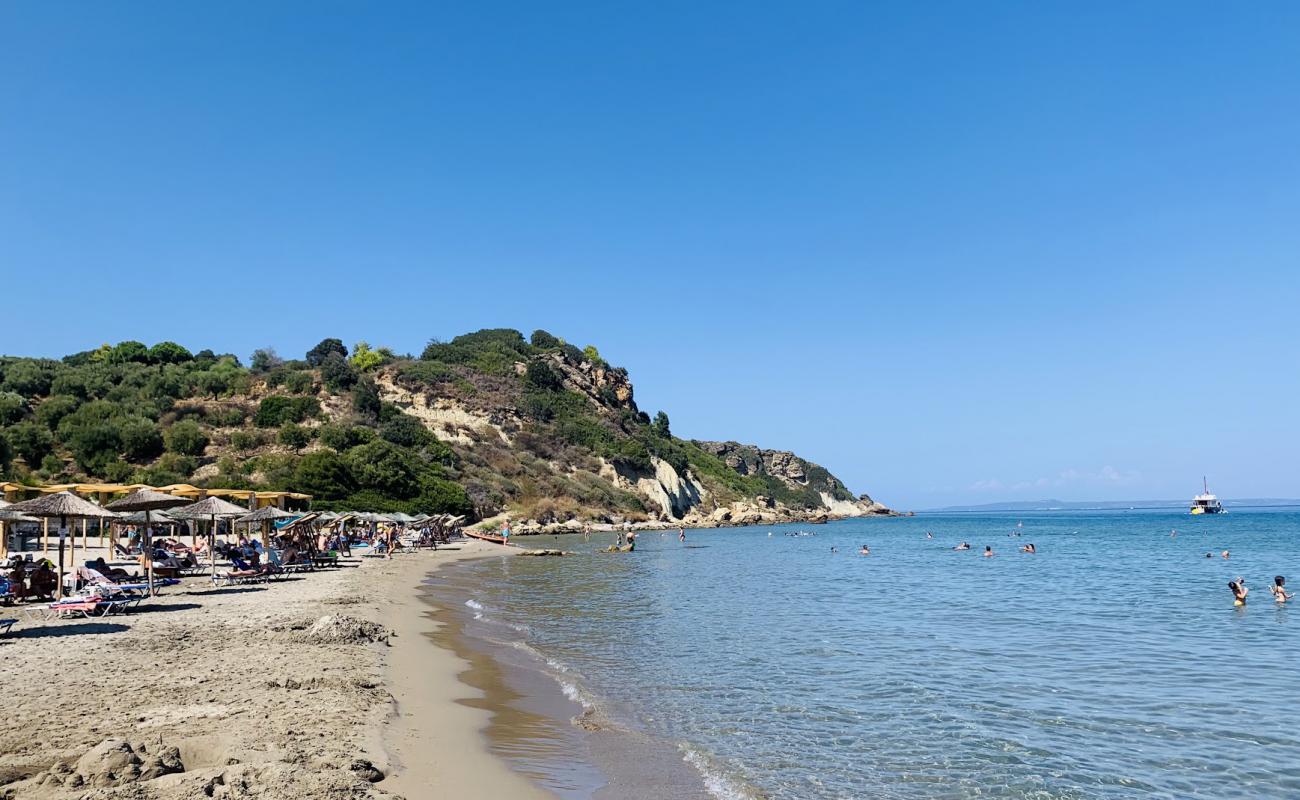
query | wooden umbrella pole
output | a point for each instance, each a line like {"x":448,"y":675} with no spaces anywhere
{"x":63,"y":532}
{"x":4,"y":540}
{"x":45,"y":536}
{"x":212,"y":549}
{"x":148,"y":564}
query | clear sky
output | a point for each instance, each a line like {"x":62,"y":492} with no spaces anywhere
{"x":956,"y":252}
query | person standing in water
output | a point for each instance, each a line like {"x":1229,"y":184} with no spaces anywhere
{"x":1279,"y":589}
{"x":865,"y":551}
{"x":1239,"y":592}
{"x":505,"y":532}
{"x":681,"y":533}
{"x":988,"y":551}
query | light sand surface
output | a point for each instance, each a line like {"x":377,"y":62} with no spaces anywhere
{"x":303,"y":688}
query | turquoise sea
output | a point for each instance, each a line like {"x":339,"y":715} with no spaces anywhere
{"x":1110,"y":664}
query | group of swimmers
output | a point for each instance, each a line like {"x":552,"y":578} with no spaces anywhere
{"x":988,"y":549}
{"x":1278,"y":590}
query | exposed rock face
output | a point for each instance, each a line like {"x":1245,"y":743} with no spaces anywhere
{"x":603,"y":385}
{"x":780,"y":464}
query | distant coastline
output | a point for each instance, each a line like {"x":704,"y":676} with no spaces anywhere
{"x":1105,"y":505}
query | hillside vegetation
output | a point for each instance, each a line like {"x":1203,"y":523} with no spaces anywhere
{"x":486,"y":423}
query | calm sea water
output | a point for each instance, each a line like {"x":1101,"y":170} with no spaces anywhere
{"x":1111,"y":664}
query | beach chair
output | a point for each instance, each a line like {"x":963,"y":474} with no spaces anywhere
{"x":6,"y":625}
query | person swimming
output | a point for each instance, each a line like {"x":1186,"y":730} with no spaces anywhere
{"x":833,"y":550}
{"x":988,"y":551}
{"x":1225,"y":553}
{"x":1173,"y":534}
{"x":865,"y":551}
{"x":1239,"y":592}
{"x":962,"y":546}
{"x":1029,"y":548}
{"x":1279,"y":589}
{"x":929,"y":535}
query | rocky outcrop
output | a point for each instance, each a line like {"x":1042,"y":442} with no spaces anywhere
{"x":606,"y":386}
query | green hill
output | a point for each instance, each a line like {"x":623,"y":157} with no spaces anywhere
{"x":483,"y":424}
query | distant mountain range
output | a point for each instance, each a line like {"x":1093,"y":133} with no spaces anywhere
{"x":1106,"y":505}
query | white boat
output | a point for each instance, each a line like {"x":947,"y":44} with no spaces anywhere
{"x":1206,"y":503}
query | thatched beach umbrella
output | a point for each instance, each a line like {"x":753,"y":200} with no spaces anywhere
{"x":147,"y":501}
{"x":61,"y":505}
{"x":7,"y":516}
{"x":210,"y":509}
{"x":266,"y":515}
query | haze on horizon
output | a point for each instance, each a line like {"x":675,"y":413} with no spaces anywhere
{"x":955,"y":253}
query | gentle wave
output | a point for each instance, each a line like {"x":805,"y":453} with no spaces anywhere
{"x":718,"y":783}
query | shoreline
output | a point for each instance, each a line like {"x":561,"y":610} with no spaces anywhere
{"x":433,"y":741}
{"x":544,"y":721}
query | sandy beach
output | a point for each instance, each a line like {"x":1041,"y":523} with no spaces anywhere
{"x":322,"y":687}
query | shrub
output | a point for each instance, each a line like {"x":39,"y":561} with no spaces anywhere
{"x":27,"y":379}
{"x":543,"y":377}
{"x":365,"y":399}
{"x":593,"y":355}
{"x":405,"y":430}
{"x":186,"y":438}
{"x":425,"y":373}
{"x":344,"y":437}
{"x":660,"y":426}
{"x":295,"y":436}
{"x":169,"y":353}
{"x":31,"y":441}
{"x":336,"y":373}
{"x":211,"y":383}
{"x":276,"y":410}
{"x":441,"y":496}
{"x":300,"y":382}
{"x":141,"y":440}
{"x":244,"y":440}
{"x":6,"y":454}
{"x":229,"y":417}
{"x":12,"y":408}
{"x":327,"y":347}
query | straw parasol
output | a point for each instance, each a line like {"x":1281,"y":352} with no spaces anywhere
{"x":210,"y":508}
{"x":147,"y":501}
{"x":63,"y":505}
{"x":265,"y":515}
{"x":7,"y":516}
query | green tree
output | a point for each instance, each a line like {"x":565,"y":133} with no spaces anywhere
{"x":545,"y":341}
{"x":593,"y":355}
{"x":169,"y":353}
{"x":337,"y":373}
{"x":129,"y":352}
{"x":441,"y":496}
{"x":32,"y":442}
{"x":277,"y":409}
{"x":141,"y":440}
{"x":385,"y":468}
{"x":294,"y":436}
{"x":211,"y":382}
{"x":660,"y":426}
{"x":12,"y":408}
{"x":186,"y":438}
{"x":317,"y":355}
{"x":95,"y":446}
{"x":300,"y":382}
{"x":6,"y":453}
{"x":264,"y":359}
{"x":325,"y":475}
{"x":364,"y":359}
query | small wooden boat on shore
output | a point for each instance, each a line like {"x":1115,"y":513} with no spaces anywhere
{"x":487,"y":537}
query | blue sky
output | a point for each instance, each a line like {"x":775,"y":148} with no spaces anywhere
{"x":956,"y":252}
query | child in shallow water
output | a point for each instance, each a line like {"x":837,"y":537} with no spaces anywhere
{"x":1279,"y":589}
